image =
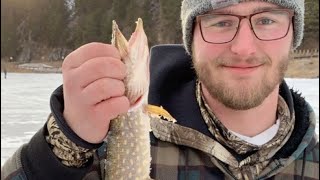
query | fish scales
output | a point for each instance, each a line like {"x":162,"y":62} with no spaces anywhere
{"x":128,"y":147}
{"x":128,"y":144}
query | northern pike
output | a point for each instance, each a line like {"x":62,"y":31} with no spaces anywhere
{"x":128,"y":144}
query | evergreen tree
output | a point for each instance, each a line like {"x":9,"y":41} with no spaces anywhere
{"x":12,"y":14}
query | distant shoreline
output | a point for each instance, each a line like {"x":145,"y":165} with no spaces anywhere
{"x":298,"y":68}
{"x":33,"y":67}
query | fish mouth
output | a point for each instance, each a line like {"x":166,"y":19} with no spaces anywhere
{"x":138,"y":100}
{"x":137,"y":103}
{"x":135,"y":55}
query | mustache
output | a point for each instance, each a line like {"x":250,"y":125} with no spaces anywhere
{"x":235,"y":61}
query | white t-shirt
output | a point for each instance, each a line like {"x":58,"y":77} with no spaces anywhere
{"x":261,"y":138}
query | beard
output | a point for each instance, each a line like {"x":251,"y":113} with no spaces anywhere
{"x":244,"y":95}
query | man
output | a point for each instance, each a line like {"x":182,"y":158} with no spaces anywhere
{"x":236,"y":117}
{"x":5,"y":72}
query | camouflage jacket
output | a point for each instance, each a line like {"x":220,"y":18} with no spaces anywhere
{"x":186,"y":152}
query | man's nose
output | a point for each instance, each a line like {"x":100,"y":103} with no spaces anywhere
{"x":244,"y":44}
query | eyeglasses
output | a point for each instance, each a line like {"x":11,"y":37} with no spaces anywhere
{"x":219,"y":28}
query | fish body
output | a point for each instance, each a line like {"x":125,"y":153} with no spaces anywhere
{"x":128,"y":147}
{"x":128,"y":144}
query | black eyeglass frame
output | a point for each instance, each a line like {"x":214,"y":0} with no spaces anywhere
{"x":289,"y":11}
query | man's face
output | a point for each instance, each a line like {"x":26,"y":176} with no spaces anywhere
{"x":240,"y":74}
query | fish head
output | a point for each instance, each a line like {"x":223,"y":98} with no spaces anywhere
{"x":135,"y":55}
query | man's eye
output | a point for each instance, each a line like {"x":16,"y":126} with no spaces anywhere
{"x":265,"y":21}
{"x":222,"y":24}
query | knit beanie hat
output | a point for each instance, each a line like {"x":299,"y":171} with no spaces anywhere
{"x":192,"y":8}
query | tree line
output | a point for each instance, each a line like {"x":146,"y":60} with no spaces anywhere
{"x":59,"y":26}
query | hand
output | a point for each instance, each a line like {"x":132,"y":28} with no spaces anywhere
{"x":93,"y":90}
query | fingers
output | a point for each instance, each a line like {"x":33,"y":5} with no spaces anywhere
{"x":113,"y":107}
{"x":102,"y":89}
{"x":89,"y":51}
{"x":97,"y":68}
{"x":93,"y":90}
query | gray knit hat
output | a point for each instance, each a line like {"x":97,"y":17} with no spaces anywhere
{"x":192,"y":8}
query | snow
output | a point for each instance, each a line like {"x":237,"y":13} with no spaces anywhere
{"x":25,"y":105}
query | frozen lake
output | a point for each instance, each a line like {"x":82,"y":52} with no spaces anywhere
{"x":25,"y":105}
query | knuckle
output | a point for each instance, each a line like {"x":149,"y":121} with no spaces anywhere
{"x":98,"y":46}
{"x":113,"y":51}
{"x":91,"y":46}
{"x":117,"y":106}
{"x":126,"y":103}
{"x":118,"y":66}
{"x":123,"y":104}
{"x":66,"y":64}
{"x":105,"y":88}
{"x":121,"y":87}
{"x":111,"y":67}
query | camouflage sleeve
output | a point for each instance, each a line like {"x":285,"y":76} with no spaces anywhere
{"x":51,"y":156}
{"x":67,"y":151}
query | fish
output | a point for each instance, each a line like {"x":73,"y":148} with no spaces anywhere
{"x":128,"y":155}
{"x":128,"y":143}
